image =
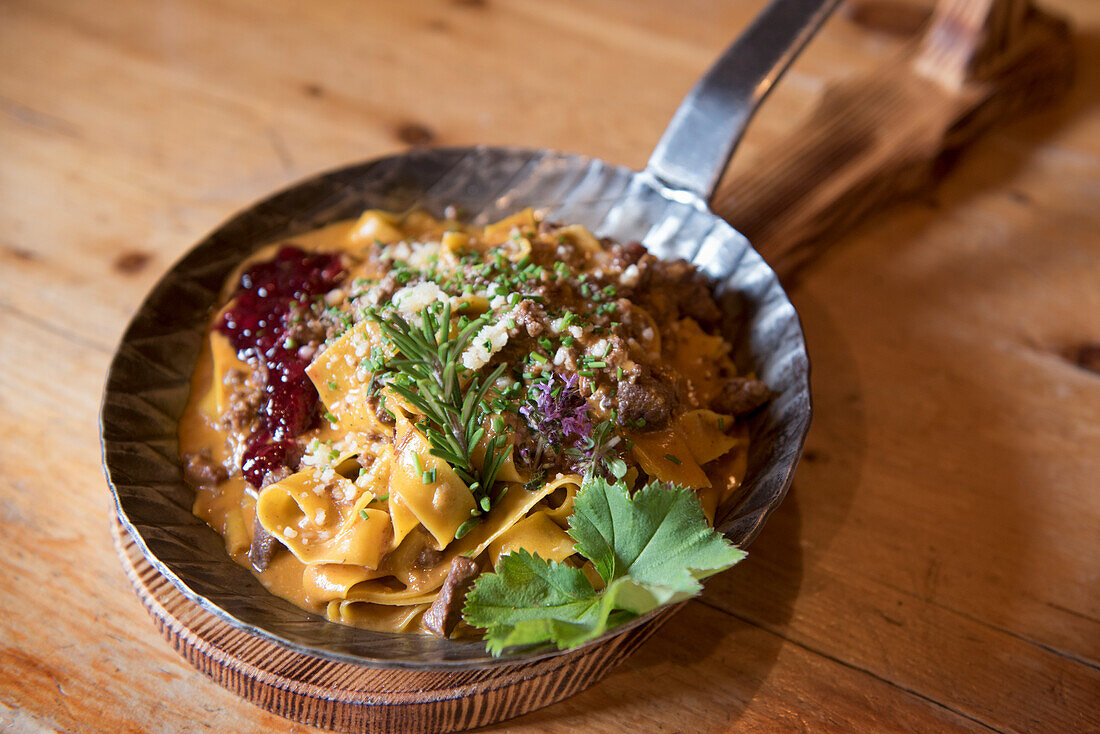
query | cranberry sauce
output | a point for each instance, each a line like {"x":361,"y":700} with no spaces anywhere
{"x":257,"y":323}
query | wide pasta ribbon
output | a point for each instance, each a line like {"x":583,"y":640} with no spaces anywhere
{"x":300,"y":512}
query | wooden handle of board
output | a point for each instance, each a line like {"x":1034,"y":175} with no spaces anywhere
{"x":883,"y":136}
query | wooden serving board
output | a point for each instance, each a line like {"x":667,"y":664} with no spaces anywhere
{"x":354,"y":698}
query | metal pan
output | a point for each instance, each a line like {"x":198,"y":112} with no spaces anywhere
{"x":664,"y":206}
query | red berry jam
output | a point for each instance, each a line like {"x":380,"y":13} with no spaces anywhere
{"x":256,"y":324}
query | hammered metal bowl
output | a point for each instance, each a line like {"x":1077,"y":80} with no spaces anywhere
{"x":664,"y":206}
{"x":148,"y":383}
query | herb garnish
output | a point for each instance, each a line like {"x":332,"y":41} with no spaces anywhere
{"x":429,"y":374}
{"x":598,"y":452}
{"x":650,"y":549}
{"x":557,"y":413}
{"x":559,"y":417}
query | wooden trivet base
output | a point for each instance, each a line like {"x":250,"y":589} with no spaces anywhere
{"x":354,"y":698}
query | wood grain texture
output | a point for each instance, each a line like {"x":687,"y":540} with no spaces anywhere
{"x":351,"y":698}
{"x":879,"y":137}
{"x":936,"y":566}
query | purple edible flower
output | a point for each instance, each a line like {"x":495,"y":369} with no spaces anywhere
{"x":564,"y":430}
{"x":576,"y":423}
{"x":565,"y":414}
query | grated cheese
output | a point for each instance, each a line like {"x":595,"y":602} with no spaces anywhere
{"x":412,"y":299}
{"x":487,"y":342}
{"x":421,"y":254}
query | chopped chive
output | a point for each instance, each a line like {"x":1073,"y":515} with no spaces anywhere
{"x":673,"y":459}
{"x":332,"y":385}
{"x":363,"y":514}
{"x":619,"y":373}
{"x":538,"y":357}
{"x":466,"y":527}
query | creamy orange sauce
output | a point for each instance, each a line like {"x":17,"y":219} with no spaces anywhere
{"x":394,"y":595}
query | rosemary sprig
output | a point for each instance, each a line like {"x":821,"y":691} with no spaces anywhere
{"x":429,"y":374}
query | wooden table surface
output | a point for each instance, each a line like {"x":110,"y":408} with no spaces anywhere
{"x":937,"y":564}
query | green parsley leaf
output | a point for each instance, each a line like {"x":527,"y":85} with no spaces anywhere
{"x":660,"y":536}
{"x":650,"y":549}
{"x":529,"y":600}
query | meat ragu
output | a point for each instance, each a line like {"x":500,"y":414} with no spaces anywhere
{"x":384,"y":407}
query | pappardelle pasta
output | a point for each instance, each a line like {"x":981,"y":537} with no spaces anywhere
{"x":385,"y":408}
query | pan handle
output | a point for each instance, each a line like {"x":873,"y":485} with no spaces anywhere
{"x":700,"y":139}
